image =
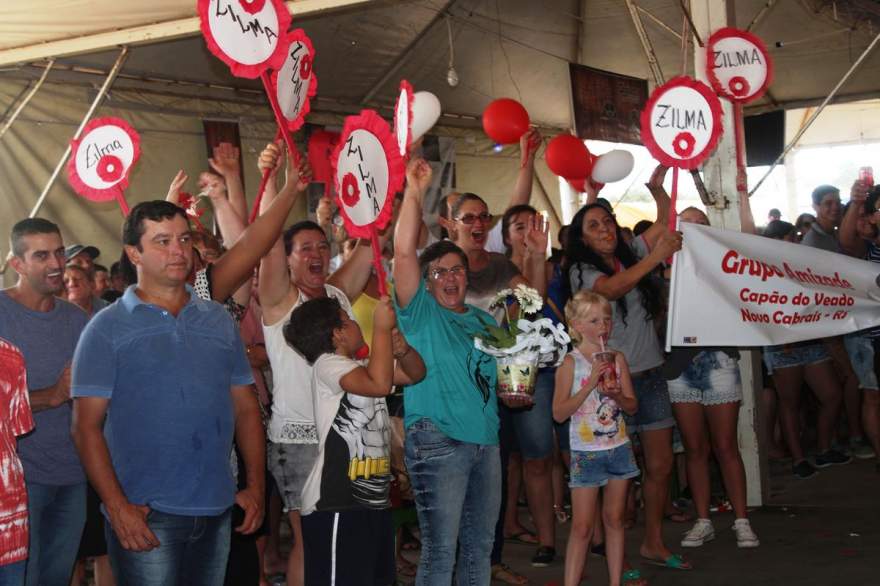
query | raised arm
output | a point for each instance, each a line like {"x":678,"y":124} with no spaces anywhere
{"x":746,"y":219}
{"x":655,"y":186}
{"x":535,"y":263}
{"x":230,"y":223}
{"x":352,"y":276}
{"x":406,"y":234}
{"x":177,"y":184}
{"x":226,"y":161}
{"x":529,"y":144}
{"x":850,"y":241}
{"x":622,"y":282}
{"x":237,"y":265}
{"x":375,"y":380}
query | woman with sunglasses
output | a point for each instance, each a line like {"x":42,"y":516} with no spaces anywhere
{"x":597,"y":259}
{"x":451,"y":419}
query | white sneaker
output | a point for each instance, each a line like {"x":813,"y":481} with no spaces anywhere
{"x":745,"y":537}
{"x":700,"y":533}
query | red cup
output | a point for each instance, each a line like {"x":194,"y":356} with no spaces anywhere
{"x":609,"y":378}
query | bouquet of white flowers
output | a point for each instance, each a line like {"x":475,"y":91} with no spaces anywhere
{"x":522,"y":345}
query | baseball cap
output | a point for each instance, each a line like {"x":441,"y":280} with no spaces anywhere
{"x":75,"y":249}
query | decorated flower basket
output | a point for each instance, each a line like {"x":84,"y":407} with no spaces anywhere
{"x":521,"y":346}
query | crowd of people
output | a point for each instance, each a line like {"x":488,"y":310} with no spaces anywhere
{"x":174,"y":411}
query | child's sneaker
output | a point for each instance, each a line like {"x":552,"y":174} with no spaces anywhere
{"x":831,"y":458}
{"x":700,"y":533}
{"x":745,"y":537}
{"x":861,"y":449}
{"x":803,"y":470}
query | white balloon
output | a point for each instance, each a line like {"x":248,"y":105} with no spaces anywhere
{"x":613,"y":166}
{"x":426,"y":112}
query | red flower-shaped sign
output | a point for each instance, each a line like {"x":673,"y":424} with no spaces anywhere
{"x":368,"y":170}
{"x":681,"y":123}
{"x":403,"y":115}
{"x":102,"y":158}
{"x":295,"y":83}
{"x":248,"y":35}
{"x":738,"y":65}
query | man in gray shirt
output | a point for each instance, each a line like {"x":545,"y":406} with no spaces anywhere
{"x":46,"y":329}
{"x":823,"y":234}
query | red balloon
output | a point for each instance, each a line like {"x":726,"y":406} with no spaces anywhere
{"x":505,"y":121}
{"x":568,"y":157}
{"x":579,"y":185}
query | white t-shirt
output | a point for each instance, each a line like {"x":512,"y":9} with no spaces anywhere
{"x":353,"y":467}
{"x":293,"y":417}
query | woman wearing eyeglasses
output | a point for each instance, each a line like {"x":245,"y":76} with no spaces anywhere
{"x":451,"y":417}
{"x":598,"y":259}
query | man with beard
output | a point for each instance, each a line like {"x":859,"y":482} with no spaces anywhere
{"x":46,"y":329}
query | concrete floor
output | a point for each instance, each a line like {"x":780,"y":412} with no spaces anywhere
{"x":824,"y":531}
{"x":820,"y":531}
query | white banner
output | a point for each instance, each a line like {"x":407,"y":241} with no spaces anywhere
{"x":735,"y":289}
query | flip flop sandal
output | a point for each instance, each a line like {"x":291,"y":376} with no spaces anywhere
{"x":632,"y":577}
{"x":502,"y":573}
{"x":673,"y":562}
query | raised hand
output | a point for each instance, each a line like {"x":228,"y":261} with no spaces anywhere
{"x":324,"y":212}
{"x":669,"y":243}
{"x":177,"y":184}
{"x":298,"y":175}
{"x":418,"y":174}
{"x":655,"y":183}
{"x":226,"y":160}
{"x":271,"y":157}
{"x":529,"y":143}
{"x":384,"y":317}
{"x":211,"y":185}
{"x":537,"y":235}
{"x":859,"y":192}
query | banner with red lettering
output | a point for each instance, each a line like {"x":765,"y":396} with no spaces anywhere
{"x":735,"y":289}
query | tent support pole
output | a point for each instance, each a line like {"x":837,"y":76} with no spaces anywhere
{"x":27,"y":98}
{"x":95,"y":103}
{"x":806,"y":125}
{"x":647,"y":47}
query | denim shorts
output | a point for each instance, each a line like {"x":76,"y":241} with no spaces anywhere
{"x":594,"y":469}
{"x":533,"y":427}
{"x":290,"y":465}
{"x":712,"y":378}
{"x":796,"y":355}
{"x":655,"y":411}
{"x":861,"y":355}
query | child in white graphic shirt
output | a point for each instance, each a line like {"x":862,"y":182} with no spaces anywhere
{"x":594,"y":389}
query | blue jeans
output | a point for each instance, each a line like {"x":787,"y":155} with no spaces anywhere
{"x":457,"y":487}
{"x":13,"y":574}
{"x":57,"y":515}
{"x":192,"y":552}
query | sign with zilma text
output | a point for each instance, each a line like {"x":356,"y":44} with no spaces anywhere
{"x":738,"y":65}
{"x":681,"y":123}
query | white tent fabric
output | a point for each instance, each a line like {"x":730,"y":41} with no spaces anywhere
{"x":514,"y":48}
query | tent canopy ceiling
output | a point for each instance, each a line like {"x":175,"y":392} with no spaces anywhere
{"x":515,"y":48}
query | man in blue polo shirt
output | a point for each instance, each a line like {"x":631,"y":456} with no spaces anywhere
{"x":170,"y":373}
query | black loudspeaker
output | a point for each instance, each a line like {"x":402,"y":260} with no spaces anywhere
{"x":765,"y":137}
